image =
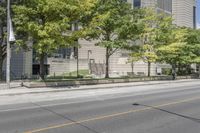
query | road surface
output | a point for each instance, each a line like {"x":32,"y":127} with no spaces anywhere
{"x":174,"y":109}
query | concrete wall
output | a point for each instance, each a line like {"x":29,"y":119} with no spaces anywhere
{"x":61,"y":66}
{"x":28,"y":57}
{"x":16,"y":64}
{"x":97,"y":53}
{"x":21,"y":64}
{"x":183,"y":12}
{"x":119,"y":64}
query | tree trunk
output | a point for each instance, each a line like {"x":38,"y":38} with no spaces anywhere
{"x":107,"y":63}
{"x":42,"y":67}
{"x":199,"y":70}
{"x":149,"y":69}
{"x":1,"y":64}
{"x":173,"y":71}
{"x":179,"y":69}
{"x":132,"y":68}
{"x":1,"y":69}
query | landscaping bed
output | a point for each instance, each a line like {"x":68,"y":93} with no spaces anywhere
{"x":78,"y":82}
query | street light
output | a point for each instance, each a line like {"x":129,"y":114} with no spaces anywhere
{"x":10,"y":38}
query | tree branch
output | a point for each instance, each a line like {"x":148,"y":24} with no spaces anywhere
{"x":4,"y":56}
{"x":111,"y":52}
{"x":3,"y":48}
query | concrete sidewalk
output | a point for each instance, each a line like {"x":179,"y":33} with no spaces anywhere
{"x":16,"y":88}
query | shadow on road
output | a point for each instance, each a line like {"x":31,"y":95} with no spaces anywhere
{"x":169,"y":112}
{"x":65,"y":117}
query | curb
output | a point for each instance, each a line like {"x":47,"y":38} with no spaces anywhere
{"x":92,"y":88}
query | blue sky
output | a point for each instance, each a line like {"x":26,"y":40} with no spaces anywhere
{"x":198,"y":13}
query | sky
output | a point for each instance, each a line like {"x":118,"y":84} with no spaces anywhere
{"x":198,"y":13}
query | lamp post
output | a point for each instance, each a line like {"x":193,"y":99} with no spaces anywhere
{"x":10,"y":38}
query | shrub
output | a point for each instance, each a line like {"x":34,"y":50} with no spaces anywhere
{"x":166,"y":71}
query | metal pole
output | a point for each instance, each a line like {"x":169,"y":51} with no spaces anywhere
{"x":77,"y":64}
{"x":8,"y":46}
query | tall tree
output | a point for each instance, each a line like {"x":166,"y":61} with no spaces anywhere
{"x":177,"y":51}
{"x":193,"y":40}
{"x":113,"y":23}
{"x":149,"y":56}
{"x":134,"y":57}
{"x":157,"y":28}
{"x":47,"y":23}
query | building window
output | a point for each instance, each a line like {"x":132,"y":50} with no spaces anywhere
{"x":165,"y":5}
{"x":137,"y":3}
{"x":160,"y":4}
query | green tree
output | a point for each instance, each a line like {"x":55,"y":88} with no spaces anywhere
{"x":149,"y":56}
{"x":113,"y":23}
{"x":157,"y":28}
{"x":177,"y":51}
{"x":2,"y":36}
{"x":193,"y":40}
{"x":134,"y":57}
{"x":47,"y":24}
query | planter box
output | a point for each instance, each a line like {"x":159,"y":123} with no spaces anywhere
{"x":79,"y":82}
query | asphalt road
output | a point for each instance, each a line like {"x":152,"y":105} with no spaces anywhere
{"x":172,"y":110}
